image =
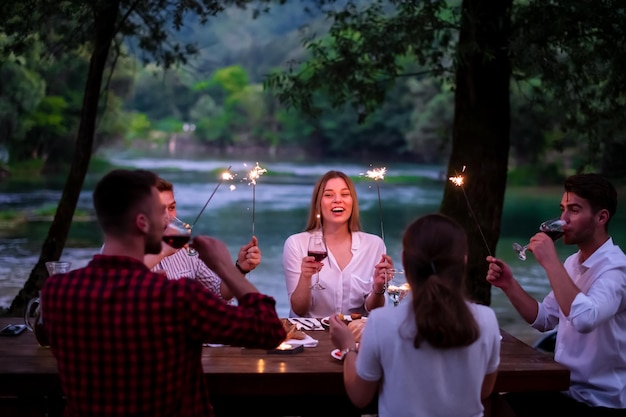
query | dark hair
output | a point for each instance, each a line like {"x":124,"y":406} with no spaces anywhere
{"x":596,"y":189}
{"x":354,"y":224}
{"x":434,"y":252}
{"x":119,"y":195}
{"x":164,"y":185}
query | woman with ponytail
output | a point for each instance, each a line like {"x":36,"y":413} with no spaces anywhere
{"x":435,"y":354}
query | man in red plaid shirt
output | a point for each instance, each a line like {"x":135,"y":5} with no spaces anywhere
{"x":128,"y":341}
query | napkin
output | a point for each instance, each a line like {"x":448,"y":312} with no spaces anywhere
{"x":308,"y":341}
{"x":303,"y":323}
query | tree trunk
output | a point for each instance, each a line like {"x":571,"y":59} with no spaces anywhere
{"x":481,"y":134}
{"x":105,"y":17}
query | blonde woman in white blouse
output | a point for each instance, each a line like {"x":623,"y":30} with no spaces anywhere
{"x":354,"y":272}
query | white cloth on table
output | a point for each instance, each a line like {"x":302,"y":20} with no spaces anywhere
{"x":308,"y":341}
{"x":306,"y":323}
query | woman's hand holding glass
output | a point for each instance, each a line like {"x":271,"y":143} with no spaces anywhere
{"x":318,"y":251}
{"x":385,"y":274}
{"x":310,"y":267}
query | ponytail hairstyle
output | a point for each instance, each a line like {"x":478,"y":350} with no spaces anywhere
{"x":434,"y":253}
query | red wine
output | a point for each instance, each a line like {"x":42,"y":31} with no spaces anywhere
{"x":554,"y":234}
{"x":176,"y":241}
{"x":319,"y":256}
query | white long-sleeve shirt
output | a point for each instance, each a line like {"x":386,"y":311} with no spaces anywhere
{"x":591,"y":342}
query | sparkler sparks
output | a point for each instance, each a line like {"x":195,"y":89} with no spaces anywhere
{"x":378,"y":174}
{"x":458,"y":180}
{"x":253,"y":175}
{"x":226,"y":175}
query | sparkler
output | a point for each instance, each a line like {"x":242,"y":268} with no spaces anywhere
{"x":378,"y":174}
{"x":226,"y":175}
{"x":458,"y":181}
{"x":253,"y":175}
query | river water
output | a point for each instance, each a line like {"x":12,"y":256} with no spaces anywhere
{"x":279,"y":204}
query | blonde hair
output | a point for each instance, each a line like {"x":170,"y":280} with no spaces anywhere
{"x":315,"y":210}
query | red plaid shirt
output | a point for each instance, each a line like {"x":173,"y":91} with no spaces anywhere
{"x":128,"y":341}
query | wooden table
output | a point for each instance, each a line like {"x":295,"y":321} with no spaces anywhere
{"x":310,"y":381}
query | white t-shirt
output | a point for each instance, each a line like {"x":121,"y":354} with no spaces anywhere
{"x":426,"y":381}
{"x":591,"y":342}
{"x":346,"y":289}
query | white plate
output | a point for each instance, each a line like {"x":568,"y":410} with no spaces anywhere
{"x":336,"y":353}
{"x":326,"y":321}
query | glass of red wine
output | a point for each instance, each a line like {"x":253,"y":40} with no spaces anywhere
{"x":552,"y":227}
{"x":317,"y":249}
{"x":177,"y":233}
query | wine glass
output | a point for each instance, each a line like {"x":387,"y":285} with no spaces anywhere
{"x":552,"y":227}
{"x":177,"y":226}
{"x":177,"y":233}
{"x":317,"y":249}
{"x":396,"y":292}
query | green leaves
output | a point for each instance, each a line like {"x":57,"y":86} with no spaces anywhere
{"x":364,"y":53}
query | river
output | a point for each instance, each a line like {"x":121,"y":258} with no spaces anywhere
{"x":279,"y":205}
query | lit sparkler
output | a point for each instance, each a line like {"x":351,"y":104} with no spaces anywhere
{"x":378,"y":174}
{"x":226,"y":175}
{"x":458,"y":181}
{"x":253,"y":175}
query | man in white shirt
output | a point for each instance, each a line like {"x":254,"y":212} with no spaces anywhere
{"x":177,"y":263}
{"x":587,"y":302}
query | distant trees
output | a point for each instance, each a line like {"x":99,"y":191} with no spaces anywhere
{"x":152,"y":105}
{"x":392,"y":71}
{"x":96,"y":27}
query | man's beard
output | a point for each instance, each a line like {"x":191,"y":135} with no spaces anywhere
{"x":153,"y":245}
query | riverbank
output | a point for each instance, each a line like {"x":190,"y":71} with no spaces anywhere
{"x":282,"y":204}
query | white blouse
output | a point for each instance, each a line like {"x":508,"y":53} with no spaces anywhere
{"x":346,"y":289}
